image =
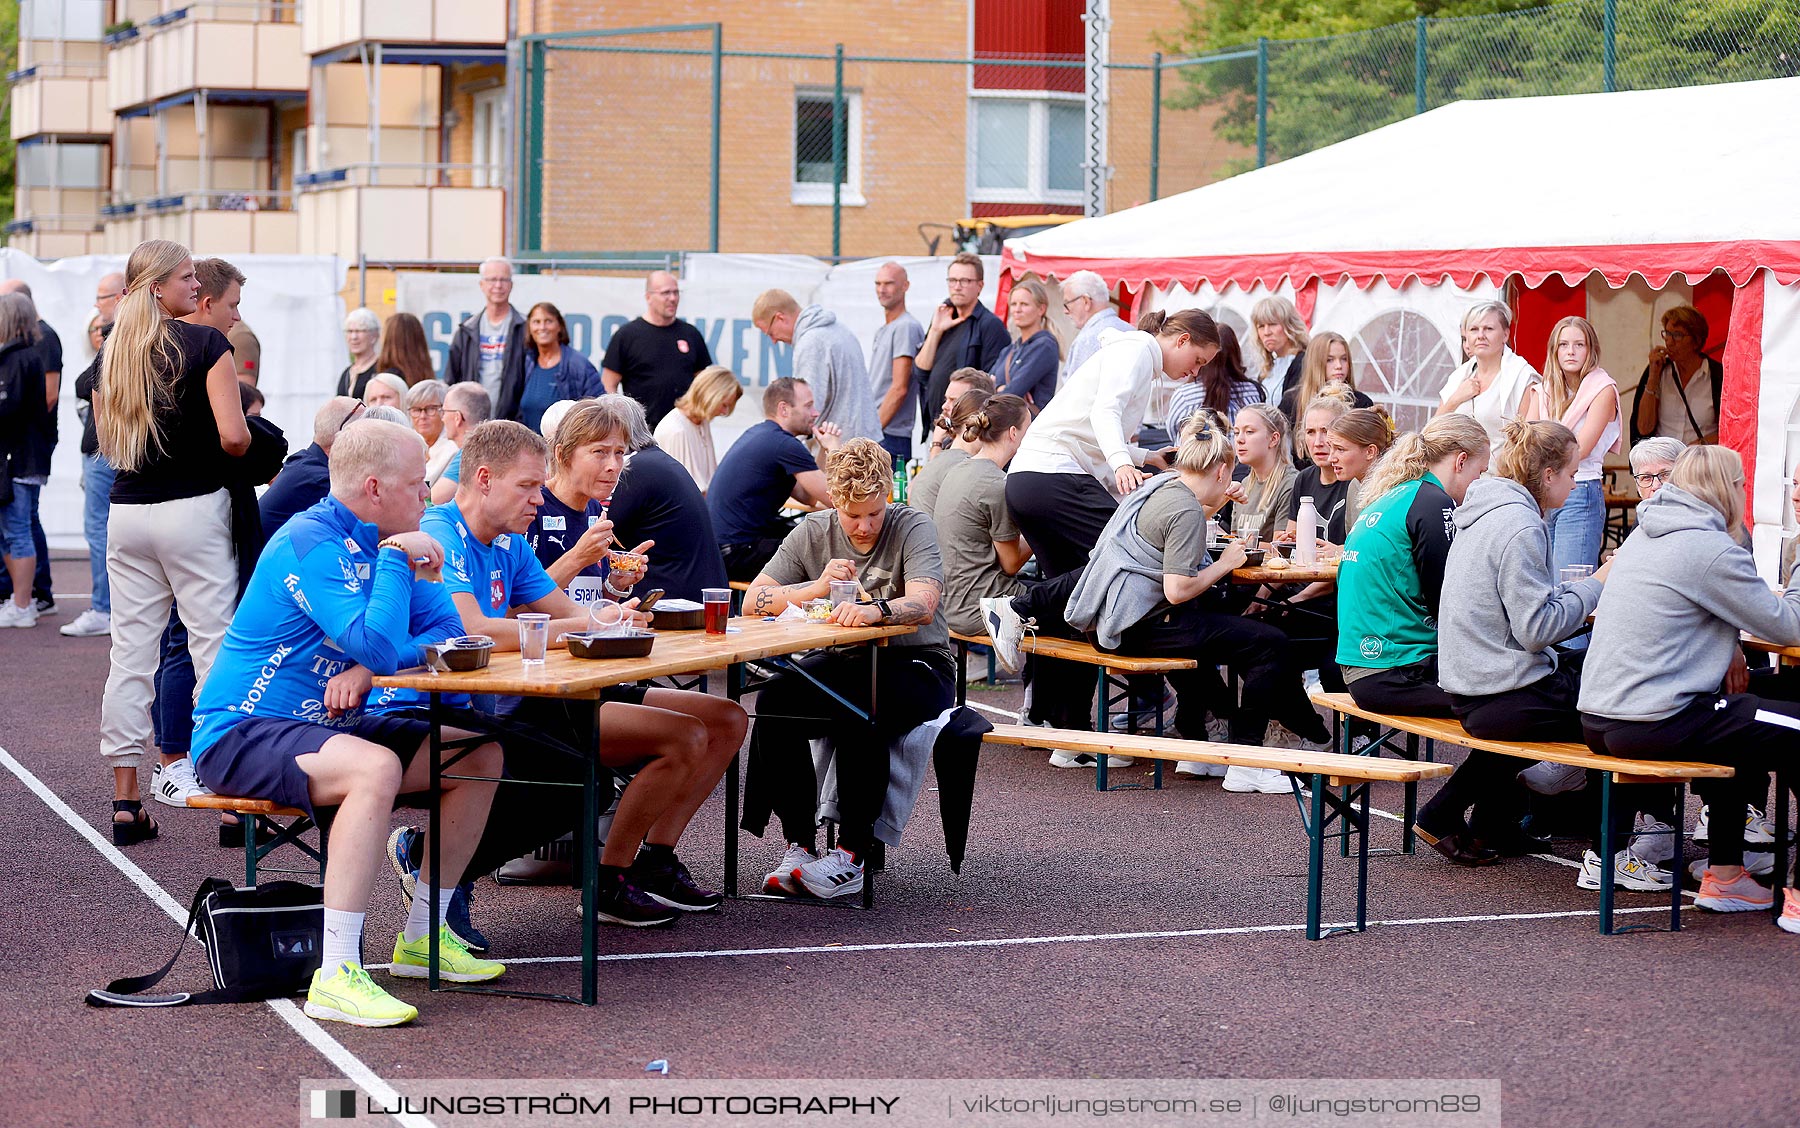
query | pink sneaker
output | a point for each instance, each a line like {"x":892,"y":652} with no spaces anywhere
{"x":1790,"y":912}
{"x":1742,"y":894}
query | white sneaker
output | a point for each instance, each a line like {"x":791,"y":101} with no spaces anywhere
{"x":1061,"y":759}
{"x":1629,"y":872}
{"x":1006,"y":630}
{"x":12,"y":615}
{"x":1189,"y":768}
{"x":1268,"y":781}
{"x":1652,"y":840}
{"x":1759,"y":864}
{"x":1547,"y":778}
{"x":171,"y":784}
{"x":832,"y":874}
{"x":88,"y":624}
{"x":781,"y":878}
{"x":1759,"y":829}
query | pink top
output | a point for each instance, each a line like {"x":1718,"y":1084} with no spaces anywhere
{"x":1592,"y":385}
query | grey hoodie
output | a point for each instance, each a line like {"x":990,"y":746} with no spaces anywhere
{"x":1501,"y":609}
{"x":1122,"y":584}
{"x":1681,"y":589}
{"x":830,"y":358}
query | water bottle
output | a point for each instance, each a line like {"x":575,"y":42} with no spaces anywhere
{"x":1306,"y":534}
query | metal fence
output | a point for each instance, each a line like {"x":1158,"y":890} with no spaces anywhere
{"x":663,"y":140}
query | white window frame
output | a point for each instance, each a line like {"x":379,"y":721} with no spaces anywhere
{"x":809,"y":194}
{"x":1037,"y":179}
{"x":487,"y":121}
{"x":298,"y":151}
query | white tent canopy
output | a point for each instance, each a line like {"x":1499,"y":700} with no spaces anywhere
{"x":1659,"y":181}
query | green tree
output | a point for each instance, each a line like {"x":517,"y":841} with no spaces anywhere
{"x":1339,"y":69}
{"x":9,"y":57}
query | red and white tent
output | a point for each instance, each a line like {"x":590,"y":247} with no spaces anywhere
{"x":1615,"y":206}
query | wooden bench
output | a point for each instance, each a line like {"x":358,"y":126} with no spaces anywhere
{"x":1320,"y":809}
{"x":1110,"y":682}
{"x":1612,"y":769}
{"x":258,"y":814}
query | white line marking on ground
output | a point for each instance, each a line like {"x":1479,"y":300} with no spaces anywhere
{"x":993,"y":710}
{"x":1075,"y":938}
{"x":347,"y":1063}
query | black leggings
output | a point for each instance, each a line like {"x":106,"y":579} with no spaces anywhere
{"x":1751,"y":734}
{"x":1486,"y":781}
{"x":1259,"y":653}
{"x":913,"y":686}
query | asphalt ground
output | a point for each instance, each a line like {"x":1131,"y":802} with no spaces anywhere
{"x":1140,"y":934}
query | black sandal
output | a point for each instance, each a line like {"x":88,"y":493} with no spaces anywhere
{"x":141,"y":828}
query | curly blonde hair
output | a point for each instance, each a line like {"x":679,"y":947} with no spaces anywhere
{"x":858,"y":471}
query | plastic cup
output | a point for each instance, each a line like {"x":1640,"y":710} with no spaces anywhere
{"x":534,"y":638}
{"x":843,"y":591}
{"x":718,"y":608}
{"x":1575,"y":573}
{"x":605,"y":616}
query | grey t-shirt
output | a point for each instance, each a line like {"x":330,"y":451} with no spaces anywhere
{"x":922,"y":494}
{"x":971,"y":515}
{"x":907,"y":549}
{"x":1267,"y":503}
{"x":899,"y":337}
{"x":1174,"y":521}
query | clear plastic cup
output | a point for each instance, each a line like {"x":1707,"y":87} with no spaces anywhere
{"x":843,"y":591}
{"x":534,"y":638}
{"x":605,"y":617}
{"x":718,"y":609}
{"x":1575,"y":573}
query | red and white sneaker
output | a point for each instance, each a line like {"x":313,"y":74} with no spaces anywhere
{"x":1790,"y":912}
{"x":1742,"y":894}
{"x":781,"y":879}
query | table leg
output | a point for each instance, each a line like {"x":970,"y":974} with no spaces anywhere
{"x":1315,"y":859}
{"x":590,"y":869}
{"x":734,"y":689}
{"x":1606,"y":855}
{"x":875,"y":653}
{"x":432,"y":827}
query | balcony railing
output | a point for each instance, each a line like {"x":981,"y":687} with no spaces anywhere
{"x":334,"y":24}
{"x":222,"y":222}
{"x":61,"y":98}
{"x":244,"y":48}
{"x":401,"y":213}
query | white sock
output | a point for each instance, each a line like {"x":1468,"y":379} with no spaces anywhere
{"x":418,"y":918}
{"x":343,"y":938}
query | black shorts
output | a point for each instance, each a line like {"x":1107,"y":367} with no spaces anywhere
{"x":255,"y":759}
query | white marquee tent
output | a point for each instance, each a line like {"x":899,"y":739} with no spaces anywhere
{"x":1615,"y":206}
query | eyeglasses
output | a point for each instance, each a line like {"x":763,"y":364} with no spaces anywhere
{"x":349,"y":416}
{"x":496,"y":281}
{"x":427,"y":409}
{"x":1672,"y":334}
{"x":1648,"y":480}
{"x":963,"y":281}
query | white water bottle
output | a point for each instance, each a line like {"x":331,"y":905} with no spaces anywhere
{"x":1306,"y":534}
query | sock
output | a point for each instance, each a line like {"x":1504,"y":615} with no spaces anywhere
{"x":343,"y":938}
{"x":609,"y":876}
{"x":418,"y":918}
{"x":655,"y":855}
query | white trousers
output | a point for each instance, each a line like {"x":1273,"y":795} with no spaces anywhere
{"x":170,"y":552}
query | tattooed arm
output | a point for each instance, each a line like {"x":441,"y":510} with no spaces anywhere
{"x":769,"y":597}
{"x":915,"y":608}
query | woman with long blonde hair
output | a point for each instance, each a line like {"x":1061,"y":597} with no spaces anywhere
{"x":686,"y":432}
{"x":170,"y":419}
{"x":1280,"y":346}
{"x":1656,"y":683}
{"x":1327,"y":362}
{"x":1583,"y":397}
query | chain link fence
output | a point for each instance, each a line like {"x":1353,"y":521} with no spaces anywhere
{"x":843,"y":154}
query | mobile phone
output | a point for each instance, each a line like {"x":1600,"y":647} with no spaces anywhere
{"x":650,"y":599}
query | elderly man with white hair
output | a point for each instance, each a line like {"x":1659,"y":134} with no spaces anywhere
{"x":1088,"y":303}
{"x":491,"y":346}
{"x":334,"y":599}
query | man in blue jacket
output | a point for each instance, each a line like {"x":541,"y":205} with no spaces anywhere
{"x":340,"y":593}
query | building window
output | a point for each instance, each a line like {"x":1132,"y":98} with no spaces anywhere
{"x":490,"y":138}
{"x":1026,"y":150}
{"x":59,"y":165}
{"x":813,"y":150}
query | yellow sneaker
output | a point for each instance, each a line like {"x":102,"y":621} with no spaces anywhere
{"x":455,"y":962}
{"x":349,"y":995}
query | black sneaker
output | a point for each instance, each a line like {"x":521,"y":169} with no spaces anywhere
{"x":623,"y":903}
{"x":45,"y":605}
{"x":670,"y":884}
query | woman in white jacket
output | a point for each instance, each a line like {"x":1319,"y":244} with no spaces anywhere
{"x":1492,"y":382}
{"x":1077,"y":459}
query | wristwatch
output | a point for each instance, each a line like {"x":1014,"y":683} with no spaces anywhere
{"x":882,"y":606}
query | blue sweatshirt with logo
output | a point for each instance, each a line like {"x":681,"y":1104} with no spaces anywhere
{"x":323,"y":597}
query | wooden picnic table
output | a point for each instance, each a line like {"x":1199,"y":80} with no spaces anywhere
{"x":1292,"y":574}
{"x":563,"y":675}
